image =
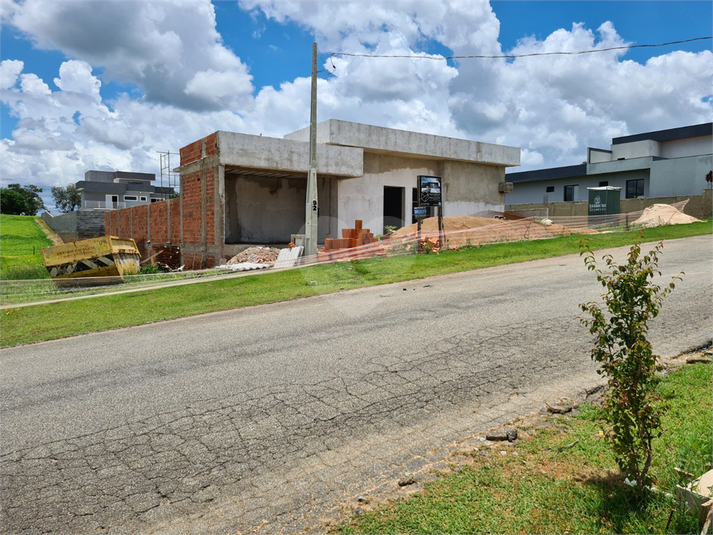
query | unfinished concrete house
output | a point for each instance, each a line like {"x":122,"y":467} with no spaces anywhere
{"x":239,"y":190}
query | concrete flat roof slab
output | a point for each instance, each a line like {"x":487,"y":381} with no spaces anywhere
{"x":389,"y":140}
{"x":618,"y":166}
{"x":259,"y":152}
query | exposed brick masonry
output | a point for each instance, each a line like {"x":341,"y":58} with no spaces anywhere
{"x":192,"y":216}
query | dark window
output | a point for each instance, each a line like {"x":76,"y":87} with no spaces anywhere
{"x":603,"y":183}
{"x":550,"y":189}
{"x":569,"y":193}
{"x":634,"y":188}
{"x":131,"y":198}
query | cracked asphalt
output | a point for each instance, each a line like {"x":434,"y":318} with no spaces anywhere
{"x":275,"y":418}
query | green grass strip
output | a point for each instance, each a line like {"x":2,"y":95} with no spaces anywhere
{"x":21,"y":239}
{"x":550,"y":488}
{"x":51,"y":321}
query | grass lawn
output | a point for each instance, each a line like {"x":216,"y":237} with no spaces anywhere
{"x":57,"y":320}
{"x":543,"y":486}
{"x":21,"y":239}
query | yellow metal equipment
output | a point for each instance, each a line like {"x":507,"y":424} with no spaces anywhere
{"x":98,"y":257}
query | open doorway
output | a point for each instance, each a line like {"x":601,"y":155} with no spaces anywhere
{"x":393,"y":207}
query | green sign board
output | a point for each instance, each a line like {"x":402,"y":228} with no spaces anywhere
{"x":604,"y":200}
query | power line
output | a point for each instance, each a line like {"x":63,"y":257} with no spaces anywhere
{"x":512,"y":56}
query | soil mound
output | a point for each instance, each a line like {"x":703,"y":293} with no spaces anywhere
{"x":469,"y":230}
{"x":663,"y":214}
{"x":463,"y":222}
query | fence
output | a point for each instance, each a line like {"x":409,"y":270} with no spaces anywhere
{"x":102,"y":205}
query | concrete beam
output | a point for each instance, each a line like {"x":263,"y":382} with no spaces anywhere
{"x":619,"y":166}
{"x":258,"y":152}
{"x":392,"y":141}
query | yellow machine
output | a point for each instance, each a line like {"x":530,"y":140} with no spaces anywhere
{"x":107,"y":256}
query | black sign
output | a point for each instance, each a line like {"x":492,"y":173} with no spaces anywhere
{"x":429,"y":190}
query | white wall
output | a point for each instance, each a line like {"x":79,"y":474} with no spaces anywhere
{"x":637,"y":149}
{"x":681,"y":148}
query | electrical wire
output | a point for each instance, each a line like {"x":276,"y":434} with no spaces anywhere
{"x":513,"y":56}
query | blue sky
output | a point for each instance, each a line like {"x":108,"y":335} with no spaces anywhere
{"x":170,"y":74}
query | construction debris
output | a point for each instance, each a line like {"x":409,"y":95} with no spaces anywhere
{"x":243,"y":266}
{"x":255,"y":255}
{"x":696,"y":498}
{"x":502,"y":435}
{"x":288,"y":257}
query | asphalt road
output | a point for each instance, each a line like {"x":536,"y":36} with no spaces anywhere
{"x":262,"y":418}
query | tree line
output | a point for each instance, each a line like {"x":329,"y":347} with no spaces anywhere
{"x":25,"y":200}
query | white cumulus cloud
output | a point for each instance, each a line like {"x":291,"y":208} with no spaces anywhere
{"x":76,"y":76}
{"x":10,"y":70}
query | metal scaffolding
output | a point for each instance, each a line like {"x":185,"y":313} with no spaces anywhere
{"x":171,"y":178}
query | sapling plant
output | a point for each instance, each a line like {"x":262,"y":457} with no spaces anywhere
{"x":632,"y":408}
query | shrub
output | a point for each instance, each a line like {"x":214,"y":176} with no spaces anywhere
{"x":632,"y":407}
{"x":148,"y":269}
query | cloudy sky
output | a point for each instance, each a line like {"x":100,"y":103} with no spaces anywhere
{"x":104,"y":84}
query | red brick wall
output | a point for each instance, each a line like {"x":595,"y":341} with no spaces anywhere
{"x":159,"y":222}
{"x":140,"y":223}
{"x":125,"y":223}
{"x":210,"y":205}
{"x":175,"y":207}
{"x":134,"y":223}
{"x":110,"y":223}
{"x":191,"y":153}
{"x":211,"y":144}
{"x":191,"y":195}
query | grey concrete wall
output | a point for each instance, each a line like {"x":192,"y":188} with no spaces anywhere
{"x":269,"y":210}
{"x":471,"y":188}
{"x":681,"y":176}
{"x":391,"y":140}
{"x":257,"y":152}
{"x":700,"y":206}
{"x":75,"y":226}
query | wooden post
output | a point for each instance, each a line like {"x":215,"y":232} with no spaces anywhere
{"x":440,"y":227}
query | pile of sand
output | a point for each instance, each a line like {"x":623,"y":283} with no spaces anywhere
{"x":463,"y":222}
{"x":469,"y":230}
{"x":663,"y":214}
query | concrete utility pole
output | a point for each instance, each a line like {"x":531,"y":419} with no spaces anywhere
{"x":312,"y":204}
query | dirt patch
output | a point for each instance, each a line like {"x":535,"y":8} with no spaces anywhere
{"x":52,"y":235}
{"x":663,"y":214}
